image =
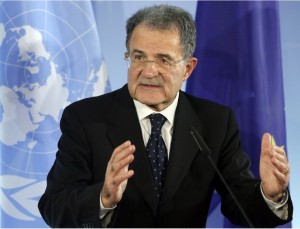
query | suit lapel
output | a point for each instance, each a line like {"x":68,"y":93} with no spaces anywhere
{"x":127,"y":127}
{"x":183,"y":148}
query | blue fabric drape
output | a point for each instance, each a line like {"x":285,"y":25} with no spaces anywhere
{"x":239,"y":54}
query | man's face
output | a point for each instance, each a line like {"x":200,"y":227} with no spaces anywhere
{"x":156,"y":84}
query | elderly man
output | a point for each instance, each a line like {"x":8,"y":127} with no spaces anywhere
{"x":127,"y":159}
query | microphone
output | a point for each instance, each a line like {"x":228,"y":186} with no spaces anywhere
{"x":204,"y":148}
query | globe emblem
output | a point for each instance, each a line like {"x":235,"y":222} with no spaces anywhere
{"x":48,"y":60}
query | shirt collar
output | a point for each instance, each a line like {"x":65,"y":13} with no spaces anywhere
{"x":144,"y":111}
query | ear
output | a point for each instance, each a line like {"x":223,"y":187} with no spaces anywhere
{"x":190,"y":66}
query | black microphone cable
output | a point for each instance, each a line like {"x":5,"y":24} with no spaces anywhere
{"x":207,"y":151}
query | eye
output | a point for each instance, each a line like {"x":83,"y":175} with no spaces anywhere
{"x":163,"y":61}
{"x":138,"y":57}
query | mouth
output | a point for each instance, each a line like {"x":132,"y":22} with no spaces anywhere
{"x":150,"y":86}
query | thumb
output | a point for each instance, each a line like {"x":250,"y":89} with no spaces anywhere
{"x":266,"y":142}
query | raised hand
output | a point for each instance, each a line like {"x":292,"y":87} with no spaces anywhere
{"x":117,"y":174}
{"x":274,"y":169}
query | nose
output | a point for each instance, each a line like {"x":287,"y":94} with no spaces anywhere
{"x":150,"y":69}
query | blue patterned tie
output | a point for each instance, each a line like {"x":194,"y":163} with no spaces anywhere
{"x":157,"y":153}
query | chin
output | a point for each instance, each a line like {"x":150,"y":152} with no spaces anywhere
{"x":155,"y":104}
{"x":149,"y":98}
{"x":150,"y":102}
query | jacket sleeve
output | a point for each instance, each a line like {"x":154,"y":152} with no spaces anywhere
{"x":71,"y":198}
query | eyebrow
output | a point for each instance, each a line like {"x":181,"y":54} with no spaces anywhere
{"x":157,"y":55}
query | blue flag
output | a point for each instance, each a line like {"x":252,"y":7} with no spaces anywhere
{"x":50,"y":56}
{"x":239,"y":53}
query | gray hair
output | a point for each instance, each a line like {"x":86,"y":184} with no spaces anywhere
{"x":166,"y":17}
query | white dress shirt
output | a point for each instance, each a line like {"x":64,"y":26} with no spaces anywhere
{"x":143,"y":111}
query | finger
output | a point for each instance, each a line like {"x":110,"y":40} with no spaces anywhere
{"x":125,"y":153}
{"x":116,"y":167}
{"x":122,"y":151}
{"x":282,"y":167}
{"x":279,"y":150}
{"x":279,"y":154}
{"x":117,"y":180}
{"x":120,"y":148}
{"x":282,"y":179}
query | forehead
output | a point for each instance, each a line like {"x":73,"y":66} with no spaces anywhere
{"x":152,"y":41}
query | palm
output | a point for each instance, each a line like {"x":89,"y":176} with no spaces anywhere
{"x":266,"y":168}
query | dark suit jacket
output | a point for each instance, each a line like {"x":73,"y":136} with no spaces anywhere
{"x":93,"y":127}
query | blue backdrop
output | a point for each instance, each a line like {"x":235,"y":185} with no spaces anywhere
{"x":240,"y":66}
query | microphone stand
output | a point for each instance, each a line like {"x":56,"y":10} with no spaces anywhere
{"x":207,"y":151}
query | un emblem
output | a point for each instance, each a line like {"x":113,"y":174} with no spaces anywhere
{"x":50,"y":57}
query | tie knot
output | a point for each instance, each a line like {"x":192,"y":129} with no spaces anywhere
{"x":157,"y":121}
